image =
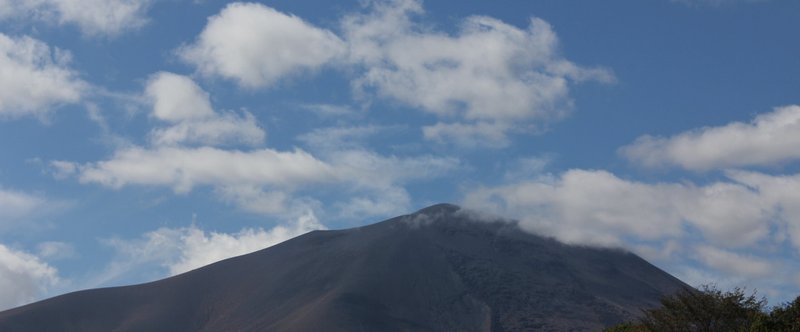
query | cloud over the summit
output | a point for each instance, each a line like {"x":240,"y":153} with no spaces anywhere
{"x":597,"y":207}
{"x":730,"y":227}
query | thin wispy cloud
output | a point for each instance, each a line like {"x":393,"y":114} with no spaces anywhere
{"x":769,"y":139}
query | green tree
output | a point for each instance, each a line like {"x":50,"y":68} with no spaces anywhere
{"x":704,"y":310}
{"x":785,"y":318}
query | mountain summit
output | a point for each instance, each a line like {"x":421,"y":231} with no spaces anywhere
{"x":439,"y":269}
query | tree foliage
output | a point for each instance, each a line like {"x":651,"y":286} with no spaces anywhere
{"x":709,"y":310}
{"x":784,"y":318}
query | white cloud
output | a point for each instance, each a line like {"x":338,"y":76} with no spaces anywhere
{"x":597,"y":207}
{"x":582,"y":206}
{"x":23,"y":277}
{"x":257,"y":46}
{"x":264,"y":180}
{"x":21,"y":211}
{"x":734,"y":231}
{"x":490,"y":75}
{"x":183,"y":249}
{"x":55,"y":250}
{"x":487,"y":79}
{"x":185,"y":153}
{"x":781,"y":193}
{"x":769,"y":139}
{"x":226,"y":128}
{"x":177,"y":98}
{"x":184,"y":168}
{"x":14,"y":204}
{"x":93,"y":17}
{"x":35,"y":78}
{"x":201,"y":248}
{"x":733,"y":263}
{"x":179,"y":101}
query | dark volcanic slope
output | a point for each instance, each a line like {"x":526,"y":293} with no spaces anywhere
{"x":435,"y":270}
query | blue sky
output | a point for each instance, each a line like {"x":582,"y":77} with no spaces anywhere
{"x":144,"y":138}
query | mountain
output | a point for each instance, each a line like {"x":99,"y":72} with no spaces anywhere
{"x":439,"y":269}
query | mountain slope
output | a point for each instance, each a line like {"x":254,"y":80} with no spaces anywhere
{"x":435,"y":270}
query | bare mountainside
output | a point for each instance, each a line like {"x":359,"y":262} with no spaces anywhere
{"x":438,"y":269}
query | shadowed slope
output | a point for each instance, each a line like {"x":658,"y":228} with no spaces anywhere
{"x":438,"y":269}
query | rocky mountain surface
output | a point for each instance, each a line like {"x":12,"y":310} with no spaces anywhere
{"x":439,"y":269}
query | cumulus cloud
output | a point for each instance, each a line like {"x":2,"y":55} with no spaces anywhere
{"x":176,"y":98}
{"x":187,"y":150}
{"x":92,"y":17}
{"x":179,"y":101}
{"x":488,"y":77}
{"x":768,"y":139}
{"x":23,"y":277}
{"x":179,"y":250}
{"x":483,"y":81}
{"x":35,"y":78}
{"x":256,"y":45}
